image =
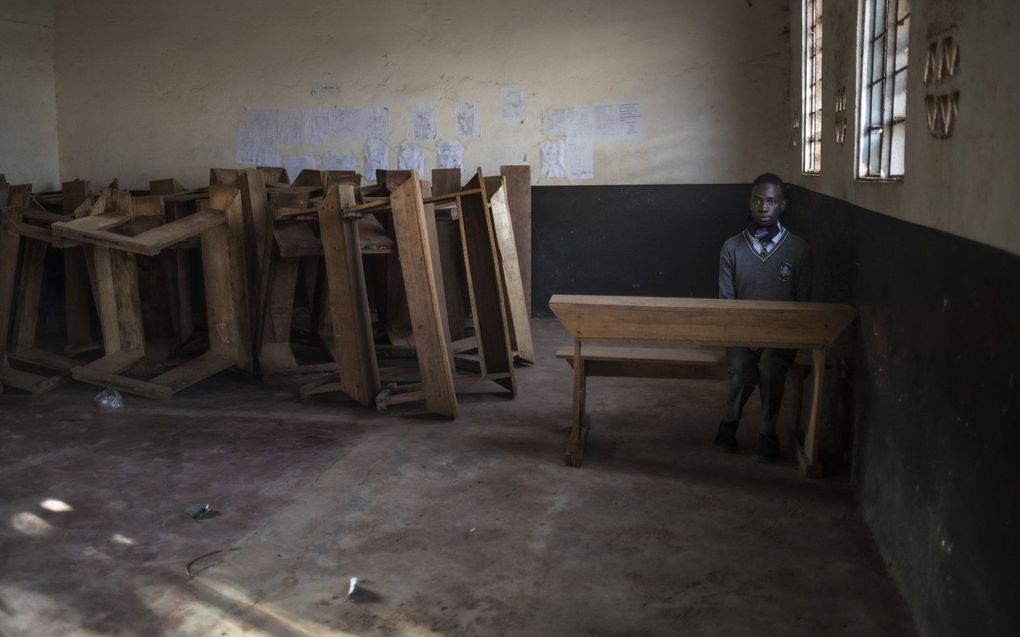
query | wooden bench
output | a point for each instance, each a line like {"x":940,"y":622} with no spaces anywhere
{"x":653,"y":337}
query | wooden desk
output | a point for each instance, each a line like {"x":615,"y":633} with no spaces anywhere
{"x":720,"y":322}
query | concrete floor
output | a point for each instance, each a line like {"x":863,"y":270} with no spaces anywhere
{"x":470,"y":527}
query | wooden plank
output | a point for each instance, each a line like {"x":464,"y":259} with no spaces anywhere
{"x":126,"y":384}
{"x":432,"y":239}
{"x":415,"y":392}
{"x":258,"y":242}
{"x":283,"y":284}
{"x":27,"y":381}
{"x":447,"y":180}
{"x":579,"y":422}
{"x":33,"y":263}
{"x":515,"y":294}
{"x":465,"y":344}
{"x":113,"y":363}
{"x":809,"y":461}
{"x":10,"y":245}
{"x":485,"y":284}
{"x":193,"y":371}
{"x":709,"y":321}
{"x":43,"y":358}
{"x":663,"y":361}
{"x":662,"y":352}
{"x":373,"y":237}
{"x":348,"y":297}
{"x":95,"y":230}
{"x":118,"y":301}
{"x":419,"y":267}
{"x":296,"y":239}
{"x":518,"y":198}
{"x":225,"y":275}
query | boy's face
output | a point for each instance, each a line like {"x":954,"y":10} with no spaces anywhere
{"x":767,"y":204}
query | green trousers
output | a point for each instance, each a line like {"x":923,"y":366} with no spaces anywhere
{"x":762,"y":367}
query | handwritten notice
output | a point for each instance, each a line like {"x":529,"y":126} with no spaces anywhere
{"x":580,"y":158}
{"x":411,"y":157}
{"x":468,"y":122}
{"x":291,"y":125}
{"x":347,"y":121}
{"x":554,"y":122}
{"x":449,"y":154}
{"x":377,"y":157}
{"x":377,"y":122}
{"x":554,"y":160}
{"x":423,"y":122}
{"x":512,"y":104}
{"x":316,"y":129}
{"x":247,"y":145}
{"x":631,"y":120}
{"x":264,"y":126}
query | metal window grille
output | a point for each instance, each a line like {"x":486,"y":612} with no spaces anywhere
{"x":812,"y":86}
{"x":883,"y":105}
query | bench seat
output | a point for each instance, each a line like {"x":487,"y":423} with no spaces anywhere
{"x":662,"y":360}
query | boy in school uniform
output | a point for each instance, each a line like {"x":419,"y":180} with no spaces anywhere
{"x":765,"y":261}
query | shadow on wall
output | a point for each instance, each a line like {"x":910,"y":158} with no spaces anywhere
{"x":932,"y":396}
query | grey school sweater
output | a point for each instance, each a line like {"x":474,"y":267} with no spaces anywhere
{"x":782,"y":275}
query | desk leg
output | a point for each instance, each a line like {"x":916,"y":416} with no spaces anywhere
{"x":579,"y":424}
{"x":808,"y":454}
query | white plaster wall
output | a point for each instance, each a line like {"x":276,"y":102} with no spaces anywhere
{"x":149,"y":88}
{"x":28,"y":132}
{"x":965,"y":185}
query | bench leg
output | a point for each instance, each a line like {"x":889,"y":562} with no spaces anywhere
{"x":808,"y":454}
{"x":579,"y":424}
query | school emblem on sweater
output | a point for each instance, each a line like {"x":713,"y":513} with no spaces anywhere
{"x":785,"y":271}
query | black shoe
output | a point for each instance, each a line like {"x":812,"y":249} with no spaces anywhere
{"x":726,"y":436}
{"x":768,"y":447}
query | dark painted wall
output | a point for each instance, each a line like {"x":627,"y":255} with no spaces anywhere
{"x":935,"y":405}
{"x":631,"y":240}
{"x":925,"y":386}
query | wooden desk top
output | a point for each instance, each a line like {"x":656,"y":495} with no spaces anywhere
{"x":703,"y":321}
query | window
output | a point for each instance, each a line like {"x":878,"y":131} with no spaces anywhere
{"x":883,"y":107}
{"x":812,"y":83}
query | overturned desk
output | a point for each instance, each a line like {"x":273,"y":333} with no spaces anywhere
{"x":702,"y":322}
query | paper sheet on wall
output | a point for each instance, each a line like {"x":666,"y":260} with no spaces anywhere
{"x":603,"y":121}
{"x":263,"y":124}
{"x":316,"y":129}
{"x":449,"y":154}
{"x":296,"y":163}
{"x":377,"y":124}
{"x":579,"y":121}
{"x":554,"y":162}
{"x":554,"y":122}
{"x":411,"y":157}
{"x":377,"y":157}
{"x":580,"y":159}
{"x":468,"y":122}
{"x":247,"y":145}
{"x":512,"y":104}
{"x":340,"y":162}
{"x":631,"y":120}
{"x":423,"y":122}
{"x":347,"y":121}
{"x":291,"y":125}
